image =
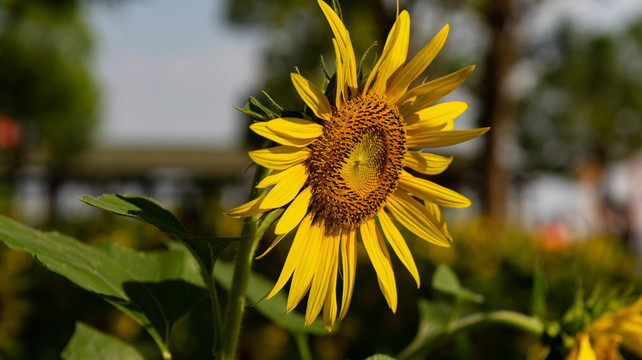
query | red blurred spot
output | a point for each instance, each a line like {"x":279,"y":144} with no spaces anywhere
{"x":555,"y":236}
{"x":9,"y":133}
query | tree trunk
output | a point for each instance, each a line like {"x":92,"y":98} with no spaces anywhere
{"x":497,"y":109}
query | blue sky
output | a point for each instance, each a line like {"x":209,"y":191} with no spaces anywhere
{"x":171,"y":72}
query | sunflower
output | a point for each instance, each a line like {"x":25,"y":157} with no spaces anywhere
{"x":342,"y":175}
{"x":603,"y":337}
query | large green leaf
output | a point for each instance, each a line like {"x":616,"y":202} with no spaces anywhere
{"x":154,"y":288}
{"x":89,"y":343}
{"x":149,"y":211}
{"x":205,"y":250}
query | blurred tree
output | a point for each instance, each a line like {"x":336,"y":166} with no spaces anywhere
{"x":45,"y":80}
{"x":501,"y":19}
{"x":585,"y":112}
{"x":586,"y":106}
{"x":46,"y":85}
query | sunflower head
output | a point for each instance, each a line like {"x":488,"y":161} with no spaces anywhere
{"x":355,"y":164}
{"x":355,"y":170}
{"x":608,"y":325}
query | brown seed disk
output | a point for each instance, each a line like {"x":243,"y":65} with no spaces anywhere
{"x":355,"y":164}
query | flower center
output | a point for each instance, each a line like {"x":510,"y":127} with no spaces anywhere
{"x":355,"y":164}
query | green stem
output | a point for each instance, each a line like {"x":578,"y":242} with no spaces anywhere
{"x":454,"y":312}
{"x":301,"y":340}
{"x":243,"y":261}
{"x":517,"y":320}
{"x":161,"y":345}
{"x":530,"y":324}
{"x":267,"y":220}
{"x":216,"y":314}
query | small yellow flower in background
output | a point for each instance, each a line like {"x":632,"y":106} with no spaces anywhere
{"x":341,"y":176}
{"x":602,"y":338}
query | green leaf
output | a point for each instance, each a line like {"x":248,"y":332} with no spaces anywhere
{"x":446,"y":281}
{"x":206,"y":250}
{"x":138,"y":207}
{"x":433,"y":317}
{"x":272,"y":308}
{"x":89,"y":343}
{"x":154,"y":288}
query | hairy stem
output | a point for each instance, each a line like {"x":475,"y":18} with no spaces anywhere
{"x":236,"y":300}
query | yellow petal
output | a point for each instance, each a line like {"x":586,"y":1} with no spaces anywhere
{"x":294,"y":213}
{"x":436,"y":213}
{"x":345,"y":53}
{"x":380,"y":260}
{"x":586,"y":351}
{"x":307,"y":267}
{"x":340,"y":76}
{"x":330,"y":306}
{"x":262,"y":129}
{"x":348,"y":269}
{"x":429,"y":191}
{"x":279,"y":157}
{"x":415,"y":217}
{"x":299,"y":245}
{"x":312,"y":96}
{"x":274,"y":177}
{"x":436,"y":116}
{"x":439,"y":138}
{"x":248,"y":209}
{"x":426,"y":163}
{"x":287,"y":188}
{"x":393,"y":56}
{"x":322,"y":276}
{"x":427,"y":94}
{"x":295,"y":128}
{"x":274,"y":243}
{"x":398,"y":244}
{"x":402,"y":79}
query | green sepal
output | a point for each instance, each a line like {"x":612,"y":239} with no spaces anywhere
{"x":326,"y":75}
{"x":362,"y":75}
{"x":337,"y":9}
{"x":576,"y":317}
{"x":259,"y":112}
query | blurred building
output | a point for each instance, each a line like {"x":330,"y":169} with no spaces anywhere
{"x":174,"y":177}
